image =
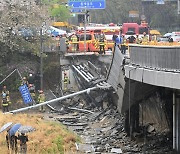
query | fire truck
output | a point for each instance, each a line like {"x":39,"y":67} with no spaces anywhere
{"x":134,"y":29}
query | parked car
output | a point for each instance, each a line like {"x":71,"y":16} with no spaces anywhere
{"x":175,"y":36}
{"x":27,"y":33}
{"x":163,"y":39}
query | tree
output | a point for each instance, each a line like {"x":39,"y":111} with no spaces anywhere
{"x":58,"y":9}
{"x":16,"y":15}
{"x":158,"y":16}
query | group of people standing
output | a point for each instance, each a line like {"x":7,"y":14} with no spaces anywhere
{"x":12,"y":143}
{"x":121,"y":41}
{"x":40,"y":98}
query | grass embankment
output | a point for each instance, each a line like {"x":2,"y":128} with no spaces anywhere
{"x":49,"y":137}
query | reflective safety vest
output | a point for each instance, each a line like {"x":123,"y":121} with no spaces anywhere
{"x":66,"y":80}
{"x":41,"y":98}
{"x":5,"y":102}
{"x":145,"y":39}
{"x":123,"y":41}
{"x":67,"y":41}
{"x":101,"y":41}
{"x":74,"y":39}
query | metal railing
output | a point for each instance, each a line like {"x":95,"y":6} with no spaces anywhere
{"x":158,"y":57}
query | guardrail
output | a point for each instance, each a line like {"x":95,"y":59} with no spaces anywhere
{"x":159,"y":57}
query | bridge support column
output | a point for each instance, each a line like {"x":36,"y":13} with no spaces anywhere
{"x":132,"y":120}
{"x":176,"y":121}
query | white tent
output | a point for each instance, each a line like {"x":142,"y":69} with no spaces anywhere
{"x":59,"y":31}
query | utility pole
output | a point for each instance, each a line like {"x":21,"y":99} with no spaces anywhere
{"x":41,"y":59}
{"x":178,"y":6}
{"x":85,"y":20}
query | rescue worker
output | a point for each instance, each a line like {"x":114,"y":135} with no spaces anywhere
{"x":123,"y":45}
{"x":74,"y":40}
{"x":5,"y":104}
{"x":131,"y":39}
{"x":101,"y":44}
{"x":25,"y":81}
{"x":145,"y":38}
{"x":5,"y":99}
{"x":32,"y":92}
{"x":7,"y":94}
{"x":67,"y":43}
{"x":41,"y":99}
{"x":23,"y":143}
{"x":66,"y":81}
{"x":5,"y":90}
{"x":138,"y":41}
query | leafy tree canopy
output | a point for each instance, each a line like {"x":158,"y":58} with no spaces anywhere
{"x":58,"y":9}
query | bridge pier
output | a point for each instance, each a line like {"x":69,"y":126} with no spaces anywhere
{"x":132,"y":120}
{"x":176,"y":121}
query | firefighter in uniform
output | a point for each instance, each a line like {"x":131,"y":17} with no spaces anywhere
{"x":67,"y":43}
{"x":32,"y":92}
{"x":66,"y":80}
{"x":25,"y":81}
{"x":145,"y":39}
{"x":74,"y":40}
{"x":101,"y":44}
{"x":123,"y":45}
{"x":41,"y":99}
{"x":5,"y":104}
{"x":5,"y":99}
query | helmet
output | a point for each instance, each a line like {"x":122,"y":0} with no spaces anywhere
{"x":40,"y":91}
{"x":30,"y":74}
{"x":24,"y":78}
{"x":3,"y":95}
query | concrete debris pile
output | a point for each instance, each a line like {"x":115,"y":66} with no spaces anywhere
{"x":102,"y":131}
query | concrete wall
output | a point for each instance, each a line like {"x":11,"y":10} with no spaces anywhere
{"x":159,"y":66}
{"x":162,"y":58}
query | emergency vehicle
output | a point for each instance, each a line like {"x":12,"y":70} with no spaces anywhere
{"x":134,"y":29}
{"x":107,"y":30}
{"x":92,"y":41}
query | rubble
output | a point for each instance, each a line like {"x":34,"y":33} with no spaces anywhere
{"x":102,"y":131}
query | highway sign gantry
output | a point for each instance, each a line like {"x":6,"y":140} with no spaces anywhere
{"x":87,"y":4}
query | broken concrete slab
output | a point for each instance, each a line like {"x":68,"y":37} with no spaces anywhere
{"x":116,"y":150}
{"x":87,"y":148}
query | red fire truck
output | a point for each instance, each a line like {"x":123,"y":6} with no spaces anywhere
{"x":134,"y":29}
